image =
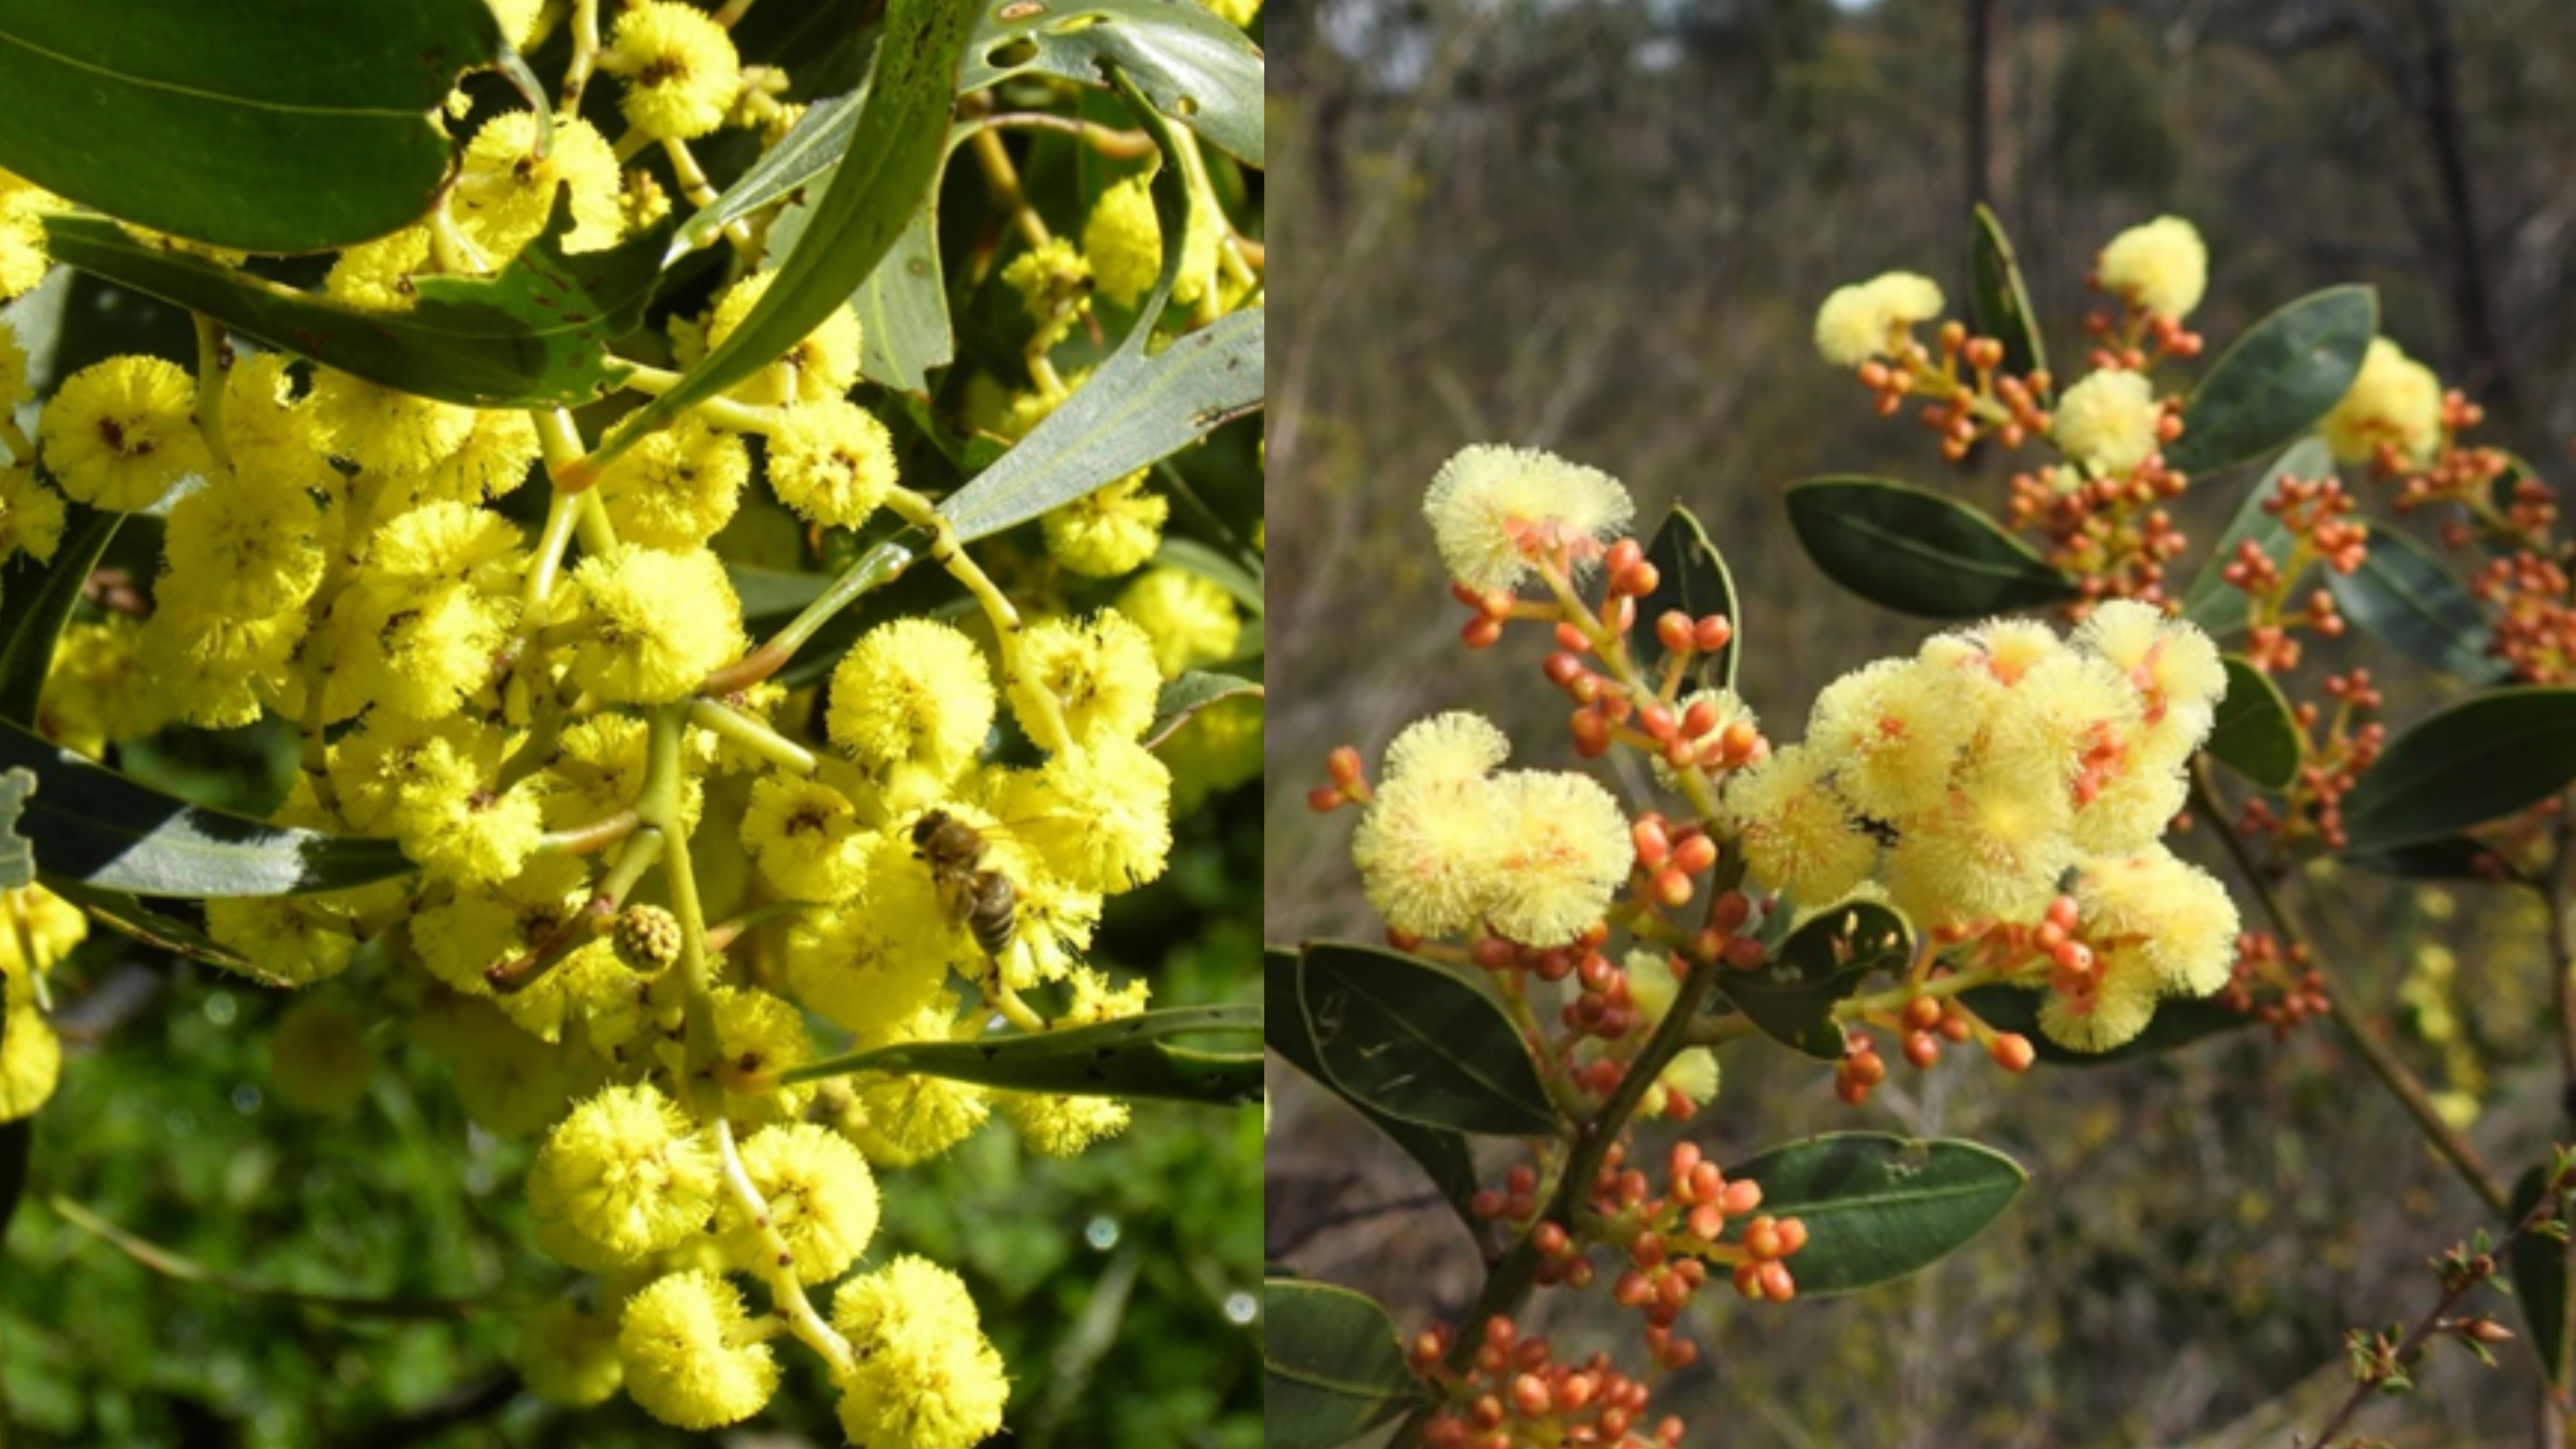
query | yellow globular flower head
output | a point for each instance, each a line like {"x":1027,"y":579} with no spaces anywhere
{"x":2177,"y":670}
{"x":845,"y":967}
{"x":1053,"y":1126}
{"x":1797,"y":832}
{"x":2161,"y":266}
{"x":806,"y":837}
{"x":901,"y":1119}
{"x":275,"y":443}
{"x":119,"y":433}
{"x":318,"y":1057}
{"x":2176,"y":915}
{"x":692,"y":1356}
{"x":519,"y":20}
{"x":566,"y":1356}
{"x":98,"y":689}
{"x":1099,"y":816}
{"x":456,"y":828}
{"x":13,"y":370}
{"x":1054,"y":281}
{"x":759,"y":1035}
{"x":23,"y":262}
{"x":2115,"y":1009}
{"x":680,"y":69}
{"x":1101,"y":671}
{"x":1494,"y":510}
{"x":1421,"y":847}
{"x":1458,"y":745}
{"x":1236,"y":12}
{"x":822,"y":1200}
{"x":922,"y":1374}
{"x":1992,"y":851}
{"x":818,"y":369}
{"x":285,"y":939}
{"x":235,"y":549}
{"x":495,"y":458}
{"x":1109,"y":531}
{"x":832,"y":462}
{"x":677,"y":487}
{"x":504,"y":191}
{"x":385,"y":431}
{"x":1866,"y":319}
{"x":912,"y":692}
{"x":627,"y":1171}
{"x":376,"y":276}
{"x":2063,"y":710}
{"x":660,"y":623}
{"x":1192,"y":619}
{"x":31,"y":514}
{"x":1891,"y":730}
{"x":415,"y":652}
{"x":2107,"y":422}
{"x":1562,"y":850}
{"x":2393,"y":399}
{"x":31,"y":1057}
{"x":212,"y":669}
{"x":1123,"y":241}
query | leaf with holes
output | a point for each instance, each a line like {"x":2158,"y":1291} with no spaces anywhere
{"x":1195,"y":68}
{"x":2255,"y":735}
{"x":2404,"y":597}
{"x":2212,"y":602}
{"x":1998,"y":301}
{"x":2279,"y":378}
{"x":1879,"y":1207}
{"x":1690,"y":577}
{"x":1443,"y":1155}
{"x":1331,"y":1367}
{"x":2480,"y":760}
{"x":1918,"y":552}
{"x":1791,"y":996}
{"x":1417,"y":1043}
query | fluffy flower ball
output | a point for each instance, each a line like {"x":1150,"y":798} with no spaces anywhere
{"x":913,"y":691}
{"x":2107,"y":422}
{"x":121,"y":432}
{"x":628,"y":1171}
{"x":2394,"y":399}
{"x":2161,"y":266}
{"x":680,"y":69}
{"x":660,"y":622}
{"x":690,"y":1358}
{"x":923,"y":1376}
{"x":1861,"y":321}
{"x":1494,"y":510}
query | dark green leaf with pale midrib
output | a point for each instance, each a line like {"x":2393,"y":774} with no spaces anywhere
{"x":2477,"y":761}
{"x":1442,"y":1155}
{"x":1918,"y":552}
{"x":2255,"y":735}
{"x":2402,"y":596}
{"x":284,"y":126}
{"x":1879,"y":1207}
{"x":1331,"y":1366}
{"x":1691,"y":578}
{"x":2287,"y":371}
{"x":1418,"y":1043}
{"x":1999,"y":302}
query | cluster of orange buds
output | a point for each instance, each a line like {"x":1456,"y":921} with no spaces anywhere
{"x":1348,"y":777}
{"x":1517,"y":1394}
{"x":2316,"y":513}
{"x":2459,"y":473}
{"x":2535,"y":632}
{"x":2350,"y":744}
{"x":2137,"y":338}
{"x":2110,"y":533}
{"x":2275,"y":985}
{"x":1672,"y":1237}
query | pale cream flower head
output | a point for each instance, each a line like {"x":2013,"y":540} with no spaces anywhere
{"x":2161,"y":266}
{"x":1493,"y":510}
{"x":1861,"y":321}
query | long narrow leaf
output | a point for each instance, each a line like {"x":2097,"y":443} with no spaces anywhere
{"x":1133,"y":1056}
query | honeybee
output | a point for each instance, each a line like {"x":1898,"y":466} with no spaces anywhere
{"x":983,"y":901}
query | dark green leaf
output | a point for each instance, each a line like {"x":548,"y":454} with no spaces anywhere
{"x":1331,"y":1367}
{"x":2453,"y":857}
{"x":1998,"y":302}
{"x":1917,"y":552}
{"x":1442,"y":1155}
{"x":1195,"y":68}
{"x":2278,"y":379}
{"x":286,"y":126}
{"x":2177,"y":1023}
{"x":39,"y":599}
{"x":2255,"y":735}
{"x":96,"y":827}
{"x":2479,"y":760}
{"x":1879,"y":1207}
{"x":534,"y":335}
{"x":2212,"y":602}
{"x":1187,"y":695}
{"x":1691,"y":577}
{"x":1415,"y":1042}
{"x":2539,"y":1264}
{"x":811,"y":148}
{"x":2403,"y":597}
{"x":159,"y":930}
{"x":1792,"y":995}
{"x":898,"y":141}
{"x":1130,"y":1056}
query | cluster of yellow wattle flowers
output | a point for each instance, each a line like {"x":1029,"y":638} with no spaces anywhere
{"x":536,"y":726}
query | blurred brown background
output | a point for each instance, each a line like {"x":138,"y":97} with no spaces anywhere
{"x":1602,"y":227}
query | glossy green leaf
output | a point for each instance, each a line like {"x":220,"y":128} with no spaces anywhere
{"x":1332,"y":1369}
{"x":1879,"y":1207}
{"x":1417,"y":1043}
{"x":2539,"y":1267}
{"x":1196,"y":69}
{"x":2453,"y":857}
{"x":904,"y":329}
{"x":2403,"y":597}
{"x":899,"y":139}
{"x":286,"y":126}
{"x":2479,"y":760}
{"x":2177,"y":1023}
{"x":1690,"y":576}
{"x":17,"y":853}
{"x":39,"y":599}
{"x":1998,"y":302}
{"x":534,"y":335}
{"x":94,"y":826}
{"x":2255,"y":735}
{"x":1442,"y":1155}
{"x":1791,"y":997}
{"x":160,"y":930}
{"x":1130,"y":1056}
{"x":2279,"y":378}
{"x":1187,"y":695}
{"x":1918,"y":552}
{"x":809,"y":150}
{"x":2212,"y":602}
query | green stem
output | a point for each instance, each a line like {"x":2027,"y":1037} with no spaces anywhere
{"x":754,"y":735}
{"x":875,"y":569}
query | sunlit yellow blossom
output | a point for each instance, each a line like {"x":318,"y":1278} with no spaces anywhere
{"x":31,"y":514}
{"x":1100,"y":670}
{"x":922,"y":1375}
{"x":901,"y":1119}
{"x":1494,"y":510}
{"x":376,"y":276}
{"x":2176,"y":915}
{"x":121,"y":432}
{"x":504,"y":191}
{"x":275,"y":443}
{"x":386,"y":431}
{"x":692,"y":1355}
{"x":832,"y":462}
{"x":659,"y":623}
{"x":676,"y":487}
{"x":1054,"y":282}
{"x":1100,"y":816}
{"x":806,"y":837}
{"x":1457,"y":745}
{"x":213,"y":668}
{"x":566,"y":1356}
{"x":2395,"y":400}
{"x":912,"y":691}
{"x":417,"y":651}
{"x":2107,"y":422}
{"x":1109,"y":531}
{"x":1054,"y":1126}
{"x":627,"y":1170}
{"x":818,"y":369}
{"x":2160,"y":265}
{"x":1123,"y":242}
{"x":1561,"y":850}
{"x":680,"y":69}
{"x":2115,"y":1011}
{"x":1422,"y":849}
{"x":31,"y":1059}
{"x":1798,"y":833}
{"x":456,"y":828}
{"x":846,"y":967}
{"x":1864,"y":320}
{"x":2065,"y":707}
{"x":1891,"y":731}
{"x":1193,"y":621}
{"x":1992,"y":851}
{"x":495,"y":458}
{"x":238,"y":550}
{"x":821,"y":1197}
{"x":23,"y":262}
